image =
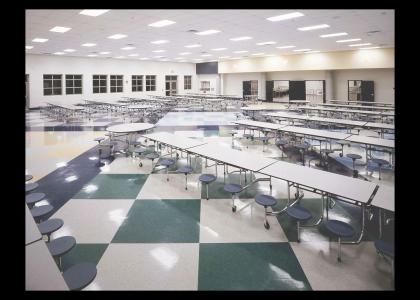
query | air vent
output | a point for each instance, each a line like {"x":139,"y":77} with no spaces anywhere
{"x":372,"y":32}
{"x":192,"y":30}
{"x":46,"y":53}
{"x":129,"y":44}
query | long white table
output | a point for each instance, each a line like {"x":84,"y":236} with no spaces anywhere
{"x":173,"y":140}
{"x":385,"y":198}
{"x":382,"y":108}
{"x":316,"y":132}
{"x":32,"y":233}
{"x":250,"y":123}
{"x":352,"y":111}
{"x":129,"y":127}
{"x":371,"y":141}
{"x":364,"y":102}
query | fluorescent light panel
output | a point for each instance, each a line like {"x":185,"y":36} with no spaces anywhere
{"x":28,"y":47}
{"x":60,"y":29}
{"x":93,"y":12}
{"x":159,"y":51}
{"x":159,"y":42}
{"x":285,"y":47}
{"x":241,"y":38}
{"x":206,"y":55}
{"x":302,"y":50}
{"x":59,"y":53}
{"x":39,"y":40}
{"x":266,"y":43}
{"x":192,"y":46}
{"x":184,"y":53}
{"x":218,"y":49}
{"x":162,"y":23}
{"x":285,"y":17}
{"x":346,"y":41}
{"x":144,"y":58}
{"x":88,"y":45}
{"x":367,"y":48}
{"x":222,"y":57}
{"x":105,"y":52}
{"x":262,"y":53}
{"x":92,"y":55}
{"x":69,"y":50}
{"x":241,"y":51}
{"x":117,"y":36}
{"x":357,"y":45}
{"x":314,"y":27}
{"x":333,"y":34}
{"x":207,"y":32}
{"x":134,"y":54}
{"x":159,"y":56}
{"x":128,"y":48}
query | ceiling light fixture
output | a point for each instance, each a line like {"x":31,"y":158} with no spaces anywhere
{"x":39,"y":40}
{"x":69,"y":50}
{"x":128,"y":48}
{"x":88,"y":45}
{"x":266,"y":43}
{"x":207,"y":32}
{"x":357,"y":45}
{"x":302,"y":50}
{"x":346,"y":41}
{"x":218,"y":49}
{"x":192,"y":46}
{"x":285,"y":17}
{"x":59,"y":53}
{"x":60,"y":29}
{"x":162,"y":23}
{"x":241,"y":38}
{"x":28,"y":47}
{"x":93,"y":12}
{"x":314,"y":27}
{"x":333,"y":34}
{"x":159,"y":42}
{"x":117,"y":36}
{"x":285,"y":47}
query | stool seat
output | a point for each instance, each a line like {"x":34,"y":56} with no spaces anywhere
{"x":139,"y":150}
{"x":40,"y":211}
{"x":62,"y":245}
{"x":232,"y":188}
{"x":167,"y":162}
{"x":380,"y":161}
{"x":302,"y":146}
{"x":281,"y":142}
{"x":265,"y":200}
{"x":353,"y":156}
{"x":80,"y":275}
{"x":299,"y":213}
{"x":50,"y":226}
{"x":28,"y":177}
{"x":99,"y":139}
{"x":385,"y":248}
{"x":339,"y":228}
{"x":152,"y":155}
{"x":31,"y":186}
{"x":207,"y":178}
{"x":34,"y":198}
{"x":185,"y":170}
{"x":135,"y":143}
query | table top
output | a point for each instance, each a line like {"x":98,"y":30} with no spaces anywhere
{"x":66,"y":106}
{"x":139,"y":106}
{"x":380,"y":125}
{"x":259,"y":124}
{"x":358,"y":106}
{"x":41,"y":271}
{"x":130,"y":127}
{"x":366,"y":103}
{"x":32,"y":233}
{"x":316,"y":132}
{"x":224,"y":153}
{"x":385,"y":198}
{"x":338,"y":121}
{"x":364,"y":112}
{"x":336,"y":184}
{"x":287,"y":116}
{"x":371,"y":141}
{"x":174,"y":140}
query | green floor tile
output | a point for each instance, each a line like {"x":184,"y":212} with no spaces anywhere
{"x":161,"y":221}
{"x":113,"y":186}
{"x":83,"y":253}
{"x":250,"y":266}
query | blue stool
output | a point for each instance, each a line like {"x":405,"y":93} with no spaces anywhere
{"x":186,"y":170}
{"x":339,"y":229}
{"x":39,"y":212}
{"x":79,"y":276}
{"x":342,"y":143}
{"x":302,"y":148}
{"x":49,"y":226}
{"x":266,"y":201}
{"x":99,"y":139}
{"x":167,"y":163}
{"x":380,"y":162}
{"x":233,"y":189}
{"x":300,"y":214}
{"x":354,"y":156}
{"x":33,"y":198}
{"x":31,"y":186}
{"x":140,"y":152}
{"x":281,"y":143}
{"x":61,"y":246}
{"x":152,"y":156}
{"x":28,"y":177}
{"x":386,"y":249}
{"x":207,"y":179}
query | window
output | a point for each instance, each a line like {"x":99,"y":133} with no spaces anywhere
{"x":187,"y":82}
{"x":52,"y":85}
{"x":73,"y":84}
{"x":99,"y":84}
{"x":254,"y":88}
{"x":137,"y":83}
{"x":116,"y":84}
{"x":150,"y":82}
{"x":205,"y":86}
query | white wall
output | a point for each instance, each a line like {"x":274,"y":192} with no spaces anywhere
{"x":232,"y":83}
{"x":37,"y":65}
{"x":214,"y":83}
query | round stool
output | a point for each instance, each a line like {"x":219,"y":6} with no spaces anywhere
{"x":342,"y":143}
{"x":140,"y":152}
{"x":354,"y":156}
{"x":302,"y":148}
{"x":380,"y":162}
{"x":233,"y":189}
{"x":186,"y":170}
{"x":300,"y":214}
{"x":61,"y":246}
{"x":31,"y":186}
{"x":28,"y":177}
{"x":324,"y":154}
{"x":33,"y":198}
{"x":99,"y":139}
{"x":152,"y":156}
{"x":80,"y":275}
{"x":266,"y":201}
{"x":339,"y":229}
{"x":281,"y":143}
{"x":38,"y":212}
{"x":207,"y":179}
{"x":50,"y":226}
{"x":233,"y":133}
{"x":167,"y":163}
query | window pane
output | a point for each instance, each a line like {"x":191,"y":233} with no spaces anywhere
{"x":119,"y":89}
{"x":47,"y":92}
{"x":57,"y":91}
{"x":78,"y":83}
{"x":57,"y":83}
{"x":112,"y":89}
{"x":95,"y":90}
{"x":56,"y":76}
{"x":78,"y":77}
{"x":120,"y":82}
{"x":69,"y":91}
{"x":47,"y":76}
{"x":103,"y":89}
{"x":69,"y":83}
{"x":47,"y":84}
{"x":77,"y":90}
{"x":103,"y":82}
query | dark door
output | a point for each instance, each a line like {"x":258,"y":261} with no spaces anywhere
{"x":246,"y":88}
{"x":269,"y":87}
{"x":297,"y":90}
{"x":368,"y":91}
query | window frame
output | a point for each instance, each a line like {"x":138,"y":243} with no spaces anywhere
{"x":188,"y":83}
{"x":148,"y":83}
{"x":99,"y":87}
{"x":52,"y":88}
{"x":73,"y":88}
{"x":116,"y":85}
{"x":135,"y":80}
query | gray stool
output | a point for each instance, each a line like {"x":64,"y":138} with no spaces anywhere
{"x":139,"y":152}
{"x":39,"y":212}
{"x":33,"y":198}
{"x":207,"y":179}
{"x":31,"y":186}
{"x":99,"y":139}
{"x":342,"y":143}
{"x":281,"y":143}
{"x":61,"y":246}
{"x":28,"y":177}
{"x":300,"y":214}
{"x":266,"y":201}
{"x":324,"y":156}
{"x":167,"y":163}
{"x":186,"y":170}
{"x":50,"y":226}
{"x":354,"y":156}
{"x":302,"y":148}
{"x":386,"y":249}
{"x":339,"y":229}
{"x":152,"y":156}
{"x":380,"y":162}
{"x":80,"y":275}
{"x":233,"y":189}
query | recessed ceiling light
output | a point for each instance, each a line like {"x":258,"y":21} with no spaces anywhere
{"x":88,"y":45}
{"x":207,"y":32}
{"x":333,"y":34}
{"x":301,"y":50}
{"x":105,"y":52}
{"x":346,"y":41}
{"x":59,"y":53}
{"x":69,"y":50}
{"x":60,"y":29}
{"x":39,"y":40}
{"x":206,"y":55}
{"x":162,"y":23}
{"x":144,"y":58}
{"x":192,"y":46}
{"x":134,"y":54}
{"x":241,"y":51}
{"x":357,"y":45}
{"x":314,"y":27}
{"x":222,"y":57}
{"x":158,"y":56}
{"x":367,"y":48}
{"x":93,"y":12}
{"x":241,"y":38}
{"x":92,"y":55}
{"x":218,"y":49}
{"x":285,"y":17}
{"x":28,"y":47}
{"x":285,"y":47}
{"x":160,"y":42}
{"x":266,"y":43}
{"x":159,"y":51}
{"x":128,"y":48}
{"x":117,"y":36}
{"x":184,"y":53}
{"x":261,"y":53}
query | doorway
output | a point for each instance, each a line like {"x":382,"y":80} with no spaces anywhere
{"x":170,"y":85}
{"x":250,"y":90}
{"x":27,"y":91}
{"x":361,"y":90}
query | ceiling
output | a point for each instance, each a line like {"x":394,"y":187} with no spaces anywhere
{"x":371,"y":26}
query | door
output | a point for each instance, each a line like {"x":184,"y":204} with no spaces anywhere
{"x":170,"y":85}
{"x":269,"y":87}
{"x":27,"y":91}
{"x":246,"y":89}
{"x":297,"y":90}
{"x":368,"y":91}
{"x":315,"y":91}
